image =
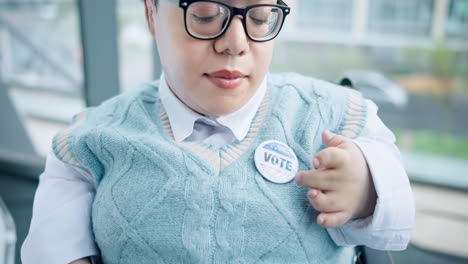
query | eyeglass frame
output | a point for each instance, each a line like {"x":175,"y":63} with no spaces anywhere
{"x":234,"y":11}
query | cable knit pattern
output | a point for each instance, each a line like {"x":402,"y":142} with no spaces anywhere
{"x":158,"y":201}
{"x":199,"y":212}
{"x":231,"y":215}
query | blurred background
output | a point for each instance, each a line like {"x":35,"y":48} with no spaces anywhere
{"x":409,"y":56}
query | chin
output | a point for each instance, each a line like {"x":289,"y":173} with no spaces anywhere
{"x":223,"y":109}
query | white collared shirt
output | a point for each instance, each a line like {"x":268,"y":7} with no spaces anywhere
{"x":61,"y":231}
{"x":224,"y":129}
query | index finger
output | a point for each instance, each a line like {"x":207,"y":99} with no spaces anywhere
{"x":329,"y":158}
{"x":325,"y":180}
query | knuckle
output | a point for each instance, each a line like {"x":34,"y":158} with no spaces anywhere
{"x":336,"y":157}
{"x":336,"y":177}
{"x":316,"y":179}
{"x":320,"y":177}
{"x":317,"y":204}
{"x":308,"y":179}
{"x":330,"y":152}
{"x":324,"y":155}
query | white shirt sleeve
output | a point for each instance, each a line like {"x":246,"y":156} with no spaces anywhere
{"x":60,"y":230}
{"x":389,"y":228}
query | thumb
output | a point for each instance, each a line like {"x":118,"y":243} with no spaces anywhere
{"x":330,"y":139}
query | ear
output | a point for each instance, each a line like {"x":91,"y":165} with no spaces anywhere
{"x":150,"y":10}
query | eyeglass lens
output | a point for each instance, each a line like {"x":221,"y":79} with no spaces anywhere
{"x":209,"y":20}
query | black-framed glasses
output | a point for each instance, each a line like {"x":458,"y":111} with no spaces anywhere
{"x":206,"y":19}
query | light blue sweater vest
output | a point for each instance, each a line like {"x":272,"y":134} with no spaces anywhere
{"x":162,"y":202}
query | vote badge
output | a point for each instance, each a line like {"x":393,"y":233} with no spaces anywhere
{"x":276,"y":161}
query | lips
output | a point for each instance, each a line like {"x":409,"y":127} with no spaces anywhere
{"x":226,"y":79}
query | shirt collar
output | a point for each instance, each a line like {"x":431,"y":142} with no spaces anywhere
{"x":182,"y":118}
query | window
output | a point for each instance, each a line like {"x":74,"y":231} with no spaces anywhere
{"x":457,"y":22}
{"x":41,"y":64}
{"x":135,"y":45}
{"x":325,"y":15}
{"x":401,"y":17}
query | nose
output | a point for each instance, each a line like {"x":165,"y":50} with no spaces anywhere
{"x":234,"y":41}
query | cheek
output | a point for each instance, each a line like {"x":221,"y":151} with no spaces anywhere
{"x":184,"y":55}
{"x":266,"y":53}
{"x":195,"y":55}
{"x":171,"y":38}
{"x":263,"y":56}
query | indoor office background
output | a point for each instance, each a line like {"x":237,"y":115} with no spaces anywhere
{"x":409,"y":56}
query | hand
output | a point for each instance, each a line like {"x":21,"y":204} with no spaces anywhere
{"x":81,"y":261}
{"x":341,"y":187}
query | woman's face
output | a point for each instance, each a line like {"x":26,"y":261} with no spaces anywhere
{"x":212,"y":77}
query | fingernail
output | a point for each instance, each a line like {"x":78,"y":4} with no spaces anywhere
{"x":320,"y":220}
{"x":316,"y":163}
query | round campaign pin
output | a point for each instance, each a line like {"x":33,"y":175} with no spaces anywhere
{"x":276,"y":161}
